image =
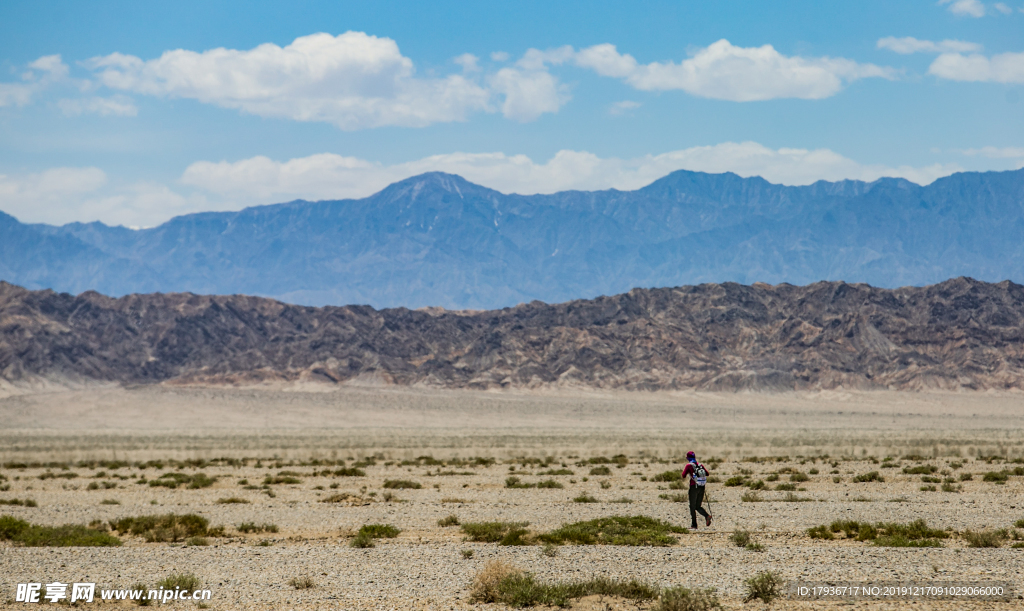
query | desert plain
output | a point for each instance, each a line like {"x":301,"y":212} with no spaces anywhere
{"x":292,"y":473}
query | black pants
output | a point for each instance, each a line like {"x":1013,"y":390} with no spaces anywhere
{"x":696,"y":499}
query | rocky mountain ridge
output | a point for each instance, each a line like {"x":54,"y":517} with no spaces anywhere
{"x":439,"y":240}
{"x":959,"y":334}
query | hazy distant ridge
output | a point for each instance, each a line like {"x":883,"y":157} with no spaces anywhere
{"x":439,"y":240}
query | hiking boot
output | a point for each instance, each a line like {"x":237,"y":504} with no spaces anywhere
{"x":693,"y":526}
{"x":707,"y":520}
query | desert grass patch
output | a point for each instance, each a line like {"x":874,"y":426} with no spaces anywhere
{"x":19,"y":502}
{"x":502,"y":533}
{"x":920,"y":470}
{"x":668,"y":476}
{"x":765,"y":586}
{"x":192,"y":482}
{"x":182,"y":581}
{"x":687,"y":599}
{"x":501,"y":583}
{"x":616,"y":530}
{"x":232,"y":500}
{"x":280,"y":479}
{"x":584,"y":498}
{"x":557,"y":472}
{"x":21,"y":532}
{"x":368,"y":533}
{"x":600,"y":471}
{"x":302,"y":583}
{"x":252,"y":527}
{"x":401,"y":484}
{"x":746,"y":497}
{"x":883,"y":534}
{"x":452,"y":520}
{"x":349,"y":472}
{"x":986,"y":538}
{"x":675,"y":498}
{"x":516,"y":482}
{"x":870,"y":476}
{"x":168,"y":527}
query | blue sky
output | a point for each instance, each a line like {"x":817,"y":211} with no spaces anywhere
{"x":131,"y":113}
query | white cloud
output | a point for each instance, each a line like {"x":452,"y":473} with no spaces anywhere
{"x":727,"y":72}
{"x":41,"y":73}
{"x":352,"y":80}
{"x":992,"y":152}
{"x":965,"y":8}
{"x":117,"y":105}
{"x":500,"y":56}
{"x":329,"y":176}
{"x":623,"y":107}
{"x":1002,"y":8}
{"x":909,"y":44}
{"x":528,"y":93}
{"x":1001,"y":68}
{"x":468,"y":61}
{"x":63,"y":195}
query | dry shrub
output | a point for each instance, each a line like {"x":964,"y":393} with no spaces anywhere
{"x":485,"y":584}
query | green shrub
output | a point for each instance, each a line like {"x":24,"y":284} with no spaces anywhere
{"x":379,"y":531}
{"x":736,"y":480}
{"x":489,"y":532}
{"x":999,"y":477}
{"x":766,"y":587}
{"x":401,"y":484}
{"x":23,"y":533}
{"x":667,"y":476}
{"x":786,"y":487}
{"x":232,"y":500}
{"x":748,"y":497}
{"x":820,"y":532}
{"x":600,"y":471}
{"x":685,"y":599}
{"x":517,"y":589}
{"x":615,"y":530}
{"x":557,"y":472}
{"x":452,"y":520}
{"x":361,"y":541}
{"x":168,"y":527}
{"x":675,"y":498}
{"x":758,"y":485}
{"x":920,"y":470}
{"x":349,"y":472}
{"x":584,"y":498}
{"x":799,"y":477}
{"x":515,"y":482}
{"x":185,"y":581}
{"x":740,"y":538}
{"x":280,"y":479}
{"x":871,"y":476}
{"x":986,"y":538}
{"x":549,"y":483}
{"x":252,"y":527}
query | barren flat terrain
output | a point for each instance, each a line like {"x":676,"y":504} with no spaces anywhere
{"x":301,"y":471}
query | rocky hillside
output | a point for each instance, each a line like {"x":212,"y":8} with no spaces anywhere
{"x":958,"y":334}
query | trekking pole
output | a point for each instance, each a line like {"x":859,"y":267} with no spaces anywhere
{"x":707,"y":498}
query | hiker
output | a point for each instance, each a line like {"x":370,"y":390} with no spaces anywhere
{"x":698,"y":474}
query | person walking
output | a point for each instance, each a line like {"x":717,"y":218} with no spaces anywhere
{"x":698,"y":475}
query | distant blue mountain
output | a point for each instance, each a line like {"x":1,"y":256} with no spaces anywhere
{"x":437,"y":239}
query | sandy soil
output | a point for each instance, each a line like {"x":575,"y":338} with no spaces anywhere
{"x":424,"y":567}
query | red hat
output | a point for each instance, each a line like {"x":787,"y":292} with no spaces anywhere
{"x":690,"y":455}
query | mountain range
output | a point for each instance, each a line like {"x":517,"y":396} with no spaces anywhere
{"x":959,"y":334}
{"x":439,"y":240}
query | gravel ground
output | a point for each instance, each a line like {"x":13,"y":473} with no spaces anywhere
{"x":424,"y":567}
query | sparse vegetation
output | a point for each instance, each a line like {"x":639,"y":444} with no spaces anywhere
{"x":884,"y":534}
{"x":871,"y":476}
{"x":452,"y":520}
{"x":184,"y":581}
{"x":615,"y":530}
{"x":765,"y":586}
{"x":302,"y":583}
{"x":503,"y":533}
{"x":23,"y":533}
{"x":600,"y":471}
{"x":168,"y":527}
{"x":686,"y":599}
{"x":501,"y":583}
{"x":232,"y":500}
{"x":986,"y":538}
{"x":19,"y":502}
{"x":584,"y":498}
{"x":252,"y":527}
{"x":401,"y":484}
